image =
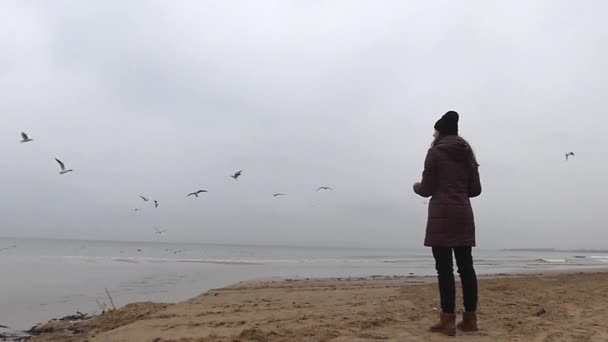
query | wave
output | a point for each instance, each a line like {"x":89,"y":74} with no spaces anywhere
{"x":161,"y":260}
{"x":399,"y":261}
{"x":199,"y":261}
{"x":551,"y":260}
{"x":130,"y":260}
{"x":222,"y":262}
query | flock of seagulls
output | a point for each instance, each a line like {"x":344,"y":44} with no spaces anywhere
{"x":25,"y":138}
{"x":197,"y":193}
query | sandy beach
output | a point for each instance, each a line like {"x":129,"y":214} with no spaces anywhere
{"x":550,"y":307}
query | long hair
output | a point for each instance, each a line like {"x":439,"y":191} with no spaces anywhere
{"x":472,"y":159}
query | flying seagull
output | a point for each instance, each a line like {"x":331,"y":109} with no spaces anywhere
{"x":63,"y":169}
{"x":569,"y":154}
{"x":160,"y":231}
{"x":237,"y":175}
{"x":155,"y":204}
{"x":277,"y":195}
{"x":324,"y":188}
{"x":144,"y":198}
{"x":196,"y":193}
{"x":25,"y":138}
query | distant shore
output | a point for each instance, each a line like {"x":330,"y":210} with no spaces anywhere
{"x":550,"y":306}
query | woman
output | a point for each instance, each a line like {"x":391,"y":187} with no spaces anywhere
{"x":451,"y":177}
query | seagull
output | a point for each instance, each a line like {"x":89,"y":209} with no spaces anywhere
{"x":569,"y":154}
{"x":237,"y":175}
{"x":63,"y":170}
{"x":160,"y":231}
{"x":196,"y":193}
{"x":277,"y":195}
{"x":144,"y":198}
{"x":324,"y":188}
{"x":25,"y":138}
{"x":155,"y":204}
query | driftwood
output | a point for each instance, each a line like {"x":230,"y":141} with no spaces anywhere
{"x":78,"y":316}
{"x":43,"y":327}
{"x":8,"y":334}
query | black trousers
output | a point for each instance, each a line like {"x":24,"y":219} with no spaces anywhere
{"x":445,"y":272}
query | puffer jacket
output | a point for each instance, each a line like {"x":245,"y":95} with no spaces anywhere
{"x":451,"y":178}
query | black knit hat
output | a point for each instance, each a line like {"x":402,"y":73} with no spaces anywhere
{"x":448,"y":124}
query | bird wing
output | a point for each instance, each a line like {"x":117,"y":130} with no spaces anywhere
{"x":145,"y":199}
{"x":60,"y":164}
{"x":24,"y":136}
{"x":238,"y":173}
{"x":157,"y":230}
{"x":190,"y":194}
{"x":200,"y":191}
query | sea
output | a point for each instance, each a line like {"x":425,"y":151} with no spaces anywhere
{"x":42,"y":279}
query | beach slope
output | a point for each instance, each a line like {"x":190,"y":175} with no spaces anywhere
{"x":557,"y":307}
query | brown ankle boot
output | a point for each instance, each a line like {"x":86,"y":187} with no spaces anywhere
{"x":469,"y":321}
{"x":446,"y":325}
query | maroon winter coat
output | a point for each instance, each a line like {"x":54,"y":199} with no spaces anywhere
{"x":451,"y":177}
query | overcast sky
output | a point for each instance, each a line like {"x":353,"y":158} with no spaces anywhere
{"x":161,"y":98}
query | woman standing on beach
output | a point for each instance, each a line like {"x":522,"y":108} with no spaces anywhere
{"x":451,"y":177}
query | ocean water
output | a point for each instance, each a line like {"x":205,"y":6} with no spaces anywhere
{"x":45,"y":279}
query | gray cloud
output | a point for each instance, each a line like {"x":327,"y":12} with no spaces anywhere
{"x":153,"y":98}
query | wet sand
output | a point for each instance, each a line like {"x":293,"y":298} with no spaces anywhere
{"x":551,"y":307}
